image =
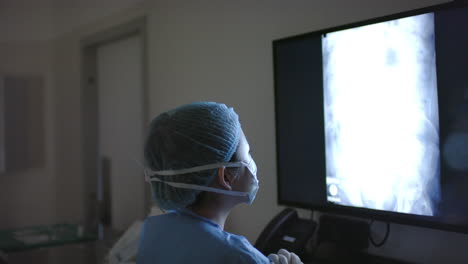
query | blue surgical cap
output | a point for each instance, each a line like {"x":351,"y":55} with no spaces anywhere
{"x":191,"y":135}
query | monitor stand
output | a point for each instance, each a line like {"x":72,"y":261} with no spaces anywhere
{"x":343,"y":240}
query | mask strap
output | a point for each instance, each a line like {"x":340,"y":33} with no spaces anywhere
{"x":198,"y":187}
{"x":149,"y":179}
{"x":198,"y":168}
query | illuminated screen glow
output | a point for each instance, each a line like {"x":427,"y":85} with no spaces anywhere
{"x":381,"y":116}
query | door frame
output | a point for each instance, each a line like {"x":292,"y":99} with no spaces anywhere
{"x":92,"y":165}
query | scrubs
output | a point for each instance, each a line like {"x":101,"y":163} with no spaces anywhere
{"x":184,"y":237}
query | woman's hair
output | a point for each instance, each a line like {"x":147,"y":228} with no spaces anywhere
{"x":188,"y":136}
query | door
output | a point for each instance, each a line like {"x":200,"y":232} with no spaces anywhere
{"x":120,"y":126}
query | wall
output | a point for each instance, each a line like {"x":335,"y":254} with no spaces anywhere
{"x":69,"y":15}
{"x":27,"y":196}
{"x":221,"y":51}
{"x":26,"y":20}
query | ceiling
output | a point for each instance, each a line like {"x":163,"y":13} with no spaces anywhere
{"x":41,"y":20}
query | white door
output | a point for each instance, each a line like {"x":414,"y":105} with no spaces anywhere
{"x":120,"y":86}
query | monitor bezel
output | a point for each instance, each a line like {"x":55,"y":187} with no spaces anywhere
{"x":385,"y":216}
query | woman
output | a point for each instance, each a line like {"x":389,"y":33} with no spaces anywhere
{"x":199,"y":167}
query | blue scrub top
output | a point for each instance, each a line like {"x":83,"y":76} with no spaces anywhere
{"x":184,"y":237}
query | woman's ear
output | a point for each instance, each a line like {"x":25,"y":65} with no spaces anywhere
{"x":224,"y":178}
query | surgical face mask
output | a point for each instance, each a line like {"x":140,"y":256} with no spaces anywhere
{"x":250,"y":165}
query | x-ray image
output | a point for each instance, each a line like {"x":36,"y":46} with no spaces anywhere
{"x":381,"y":116}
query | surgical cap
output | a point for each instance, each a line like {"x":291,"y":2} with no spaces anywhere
{"x":191,"y":135}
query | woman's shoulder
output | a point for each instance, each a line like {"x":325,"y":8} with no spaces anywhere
{"x":242,"y":250}
{"x":205,"y":239}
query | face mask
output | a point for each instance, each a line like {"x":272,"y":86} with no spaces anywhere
{"x":250,"y":165}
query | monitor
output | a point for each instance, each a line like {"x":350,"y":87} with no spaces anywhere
{"x":372,"y":118}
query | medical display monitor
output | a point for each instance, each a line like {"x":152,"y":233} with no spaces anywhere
{"x":372,"y":118}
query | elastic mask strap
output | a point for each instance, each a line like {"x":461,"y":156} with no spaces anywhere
{"x":195,"y":169}
{"x":198,"y":187}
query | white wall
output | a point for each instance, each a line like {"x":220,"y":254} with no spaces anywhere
{"x":32,"y":20}
{"x":69,"y":15}
{"x":221,"y":51}
{"x":25,"y":20}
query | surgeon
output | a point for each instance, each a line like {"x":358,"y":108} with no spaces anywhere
{"x":199,"y":167}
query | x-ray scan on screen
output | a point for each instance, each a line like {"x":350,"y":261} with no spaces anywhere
{"x":381,"y":116}
{"x":372,"y":118}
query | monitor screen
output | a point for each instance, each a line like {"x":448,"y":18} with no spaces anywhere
{"x":373,"y":118}
{"x":381,"y":116}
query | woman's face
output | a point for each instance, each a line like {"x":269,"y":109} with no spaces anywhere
{"x":246,"y":177}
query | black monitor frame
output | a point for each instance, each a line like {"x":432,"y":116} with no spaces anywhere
{"x":386,"y":216}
